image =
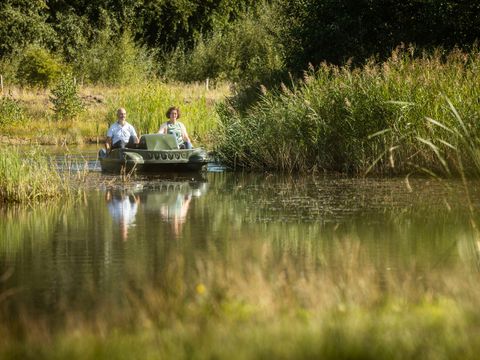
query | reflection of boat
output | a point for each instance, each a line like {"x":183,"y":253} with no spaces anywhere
{"x":155,"y":153}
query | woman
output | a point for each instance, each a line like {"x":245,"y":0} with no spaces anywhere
{"x":176,"y":128}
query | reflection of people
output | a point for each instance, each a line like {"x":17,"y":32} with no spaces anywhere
{"x":175,"y":127}
{"x":176,"y":212}
{"x":123,"y":209}
{"x":121,"y":134}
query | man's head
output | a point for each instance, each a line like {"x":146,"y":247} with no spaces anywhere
{"x":121,"y":115}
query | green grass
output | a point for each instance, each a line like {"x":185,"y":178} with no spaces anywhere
{"x":29,"y":115}
{"x":29,"y":176}
{"x":147,"y":105}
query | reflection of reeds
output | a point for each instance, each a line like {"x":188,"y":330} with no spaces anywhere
{"x":254,"y":306}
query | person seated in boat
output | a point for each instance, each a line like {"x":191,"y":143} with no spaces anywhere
{"x":176,"y":128}
{"x":121,"y":134}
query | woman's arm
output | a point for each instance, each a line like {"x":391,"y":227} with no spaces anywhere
{"x":184,"y":133}
{"x":163,"y":128}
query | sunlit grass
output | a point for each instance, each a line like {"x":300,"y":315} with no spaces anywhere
{"x":146,"y":105}
{"x":29,"y":176}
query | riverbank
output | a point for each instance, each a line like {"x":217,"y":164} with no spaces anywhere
{"x":28,"y":115}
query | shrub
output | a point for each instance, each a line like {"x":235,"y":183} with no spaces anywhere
{"x":244,"y":53}
{"x":114,"y":60}
{"x":38,"y":67}
{"x":66,"y":101}
{"x":10,"y":111}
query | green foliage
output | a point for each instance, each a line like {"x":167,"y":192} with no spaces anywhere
{"x":335,"y":31}
{"x":166,"y":24}
{"x":10,"y":111}
{"x":38,"y":67}
{"x":115,"y":61}
{"x":74,"y":34}
{"x":66,"y":101}
{"x":244,"y":52}
{"x":23,"y":22}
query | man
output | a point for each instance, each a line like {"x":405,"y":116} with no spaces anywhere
{"x":121,"y":134}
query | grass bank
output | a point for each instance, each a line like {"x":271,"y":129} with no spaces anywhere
{"x":382,"y":117}
{"x":27,"y":116}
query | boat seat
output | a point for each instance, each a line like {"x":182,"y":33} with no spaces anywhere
{"x":158,"y":142}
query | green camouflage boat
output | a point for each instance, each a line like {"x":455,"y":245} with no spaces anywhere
{"x":154,"y":153}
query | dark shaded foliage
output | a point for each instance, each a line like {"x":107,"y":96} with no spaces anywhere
{"x":336,"y":31}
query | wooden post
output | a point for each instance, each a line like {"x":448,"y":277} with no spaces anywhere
{"x":1,"y":84}
{"x":206,"y":84}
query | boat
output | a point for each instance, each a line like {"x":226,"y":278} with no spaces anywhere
{"x":154,"y":153}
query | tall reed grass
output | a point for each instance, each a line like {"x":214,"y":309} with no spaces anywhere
{"x":357,"y":119}
{"x":29,"y":176}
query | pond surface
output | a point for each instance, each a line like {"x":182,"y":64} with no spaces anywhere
{"x":65,"y":256}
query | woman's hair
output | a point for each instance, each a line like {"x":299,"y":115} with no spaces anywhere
{"x":170,"y":109}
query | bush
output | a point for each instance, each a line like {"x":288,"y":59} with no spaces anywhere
{"x":244,"y":53}
{"x":10,"y":111}
{"x":115,"y":61}
{"x":38,"y":67}
{"x":67,"y":104}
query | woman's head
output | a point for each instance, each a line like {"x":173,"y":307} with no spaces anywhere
{"x":173,"y":111}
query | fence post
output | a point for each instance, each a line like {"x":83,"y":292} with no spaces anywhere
{"x":1,"y":84}
{"x":206,"y":84}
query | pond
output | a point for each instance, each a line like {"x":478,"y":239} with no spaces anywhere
{"x":135,"y":234}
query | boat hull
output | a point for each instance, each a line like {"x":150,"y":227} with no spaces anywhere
{"x":153,"y":161}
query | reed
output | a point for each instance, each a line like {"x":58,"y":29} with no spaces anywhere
{"x":356,"y":119}
{"x":29,"y":176}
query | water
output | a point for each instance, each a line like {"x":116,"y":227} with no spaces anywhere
{"x":64,"y":257}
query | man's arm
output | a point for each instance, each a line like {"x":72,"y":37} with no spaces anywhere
{"x":108,"y":143}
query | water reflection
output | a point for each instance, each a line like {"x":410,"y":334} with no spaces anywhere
{"x":167,"y":200}
{"x":71,"y":254}
{"x":171,"y":200}
{"x":123,"y":208}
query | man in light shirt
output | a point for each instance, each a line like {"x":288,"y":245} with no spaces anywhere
{"x":121,"y":134}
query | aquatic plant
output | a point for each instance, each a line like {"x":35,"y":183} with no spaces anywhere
{"x":29,"y":176}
